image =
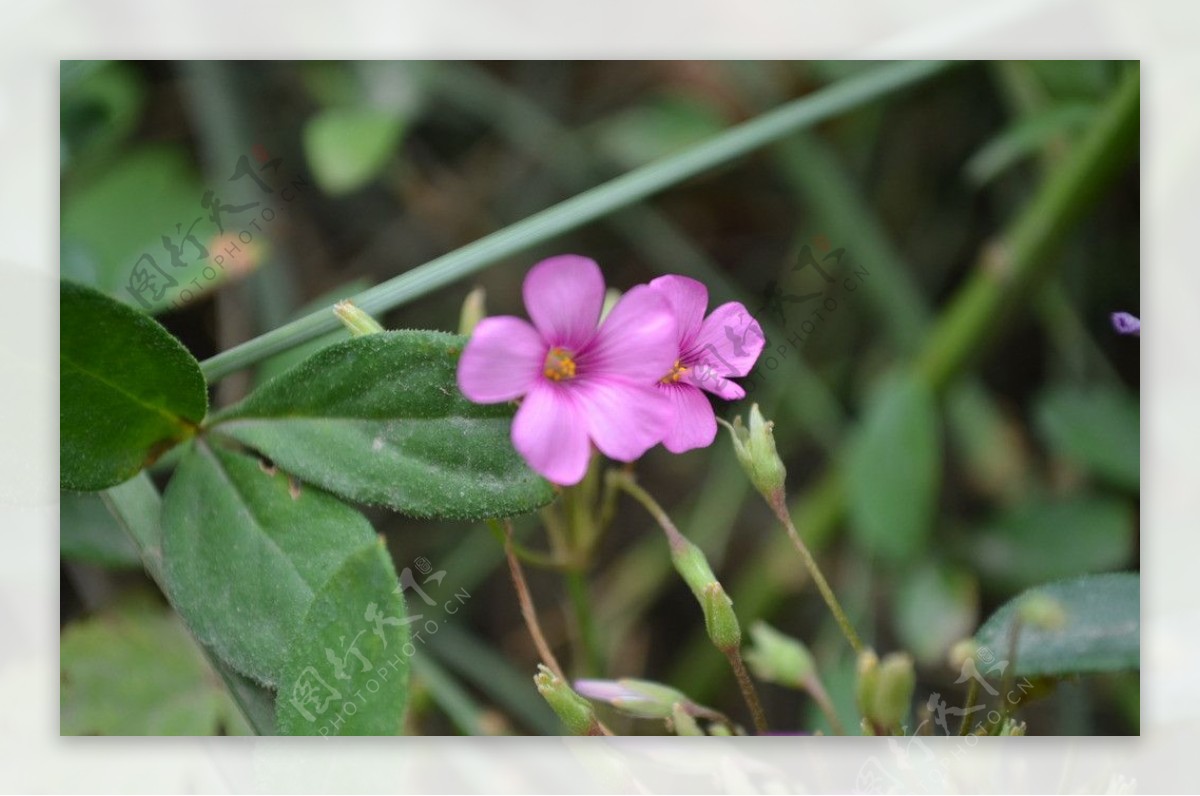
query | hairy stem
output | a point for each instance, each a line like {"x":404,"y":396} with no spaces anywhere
{"x":814,"y":571}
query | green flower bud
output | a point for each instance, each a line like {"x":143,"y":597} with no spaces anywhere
{"x":691,"y":565}
{"x":358,"y":322}
{"x":719,"y":618}
{"x":894,"y":687}
{"x":641,"y":698}
{"x":1042,"y":612}
{"x":961,"y":652}
{"x":1012,"y":727}
{"x":755,"y":449}
{"x":868,"y":677}
{"x":574,"y":711}
{"x":777,"y":658}
{"x":473,"y":311}
{"x":683,"y":722}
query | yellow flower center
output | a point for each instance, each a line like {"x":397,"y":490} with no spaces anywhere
{"x":559,"y":365}
{"x":676,"y":373}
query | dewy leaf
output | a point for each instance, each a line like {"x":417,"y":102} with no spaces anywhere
{"x":87,"y":532}
{"x":134,"y":670}
{"x":379,"y":419}
{"x":1097,"y":429}
{"x":128,"y":390}
{"x":893,"y":471}
{"x":1048,"y":540}
{"x":1100,"y":632}
{"x":347,"y":147}
{"x":245,"y":549}
{"x":347,"y":669}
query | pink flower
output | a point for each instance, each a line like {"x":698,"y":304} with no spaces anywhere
{"x":580,"y":382}
{"x":708,"y":351}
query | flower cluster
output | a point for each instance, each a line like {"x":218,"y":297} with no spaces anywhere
{"x":624,"y":383}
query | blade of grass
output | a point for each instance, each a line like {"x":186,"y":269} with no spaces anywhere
{"x":586,"y":207}
{"x":458,"y":705}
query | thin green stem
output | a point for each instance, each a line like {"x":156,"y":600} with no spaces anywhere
{"x":814,"y":571}
{"x":586,"y":207}
{"x":749,"y":693}
{"x":525,"y":601}
{"x":972,"y":695}
{"x":590,"y":658}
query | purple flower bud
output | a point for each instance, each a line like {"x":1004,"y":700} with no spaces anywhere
{"x":1125,"y":323}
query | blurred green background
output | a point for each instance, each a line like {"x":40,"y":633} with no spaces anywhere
{"x":331,"y":177}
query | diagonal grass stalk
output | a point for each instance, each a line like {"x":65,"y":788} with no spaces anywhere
{"x":586,"y":207}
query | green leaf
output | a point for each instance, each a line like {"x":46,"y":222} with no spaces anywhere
{"x":1025,"y":138}
{"x":1100,"y":634}
{"x":115,"y":223}
{"x":245,"y":551}
{"x":100,"y":105}
{"x":348,"y":147}
{"x":935,"y":607}
{"x":1097,"y":429}
{"x":893,"y":472}
{"x":1047,"y":540}
{"x":347,"y":669}
{"x":380,"y":420}
{"x":134,"y":670}
{"x":128,"y":390}
{"x":89,"y":533}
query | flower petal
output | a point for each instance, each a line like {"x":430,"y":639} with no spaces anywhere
{"x":695,"y":425}
{"x":1125,"y":323}
{"x":501,"y":361}
{"x":637,"y":340}
{"x":623,"y":418}
{"x":730,"y":341}
{"x":708,"y":379}
{"x":688,"y":299}
{"x":549,"y":431}
{"x":563,"y":296}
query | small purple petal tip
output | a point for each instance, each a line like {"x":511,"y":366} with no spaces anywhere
{"x":1125,"y":323}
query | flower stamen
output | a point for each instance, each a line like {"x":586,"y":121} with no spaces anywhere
{"x":559,"y":365}
{"x":676,"y":373}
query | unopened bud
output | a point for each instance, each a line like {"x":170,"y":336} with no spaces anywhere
{"x":574,"y":711}
{"x":1012,"y":727}
{"x":641,"y":698}
{"x":474,"y":310}
{"x":1042,"y":612}
{"x":719,"y":618}
{"x":692,"y":566}
{"x":755,"y":449}
{"x":893,"y":690}
{"x":868,"y":677}
{"x":683,"y":722}
{"x":962,"y":652}
{"x":777,"y":658}
{"x":358,"y":322}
